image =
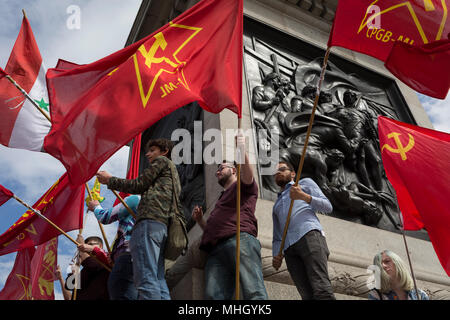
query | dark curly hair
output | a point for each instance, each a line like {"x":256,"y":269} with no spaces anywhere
{"x":162,"y":144}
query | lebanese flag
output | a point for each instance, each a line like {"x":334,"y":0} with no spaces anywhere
{"x":62,"y":204}
{"x":416,"y":161}
{"x":99,"y":107}
{"x":376,"y":27}
{"x":5,"y":194}
{"x":428,"y":76}
{"x":21,"y":124}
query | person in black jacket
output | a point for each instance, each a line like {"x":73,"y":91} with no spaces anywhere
{"x":93,"y":277}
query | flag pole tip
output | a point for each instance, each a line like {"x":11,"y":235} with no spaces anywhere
{"x":24,"y":14}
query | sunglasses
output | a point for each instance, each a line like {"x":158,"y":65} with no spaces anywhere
{"x":220,"y":168}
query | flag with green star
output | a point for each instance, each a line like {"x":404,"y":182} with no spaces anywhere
{"x":22,"y":124}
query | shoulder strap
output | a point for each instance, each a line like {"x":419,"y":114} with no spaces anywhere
{"x":379,"y":293}
{"x":175,"y":200}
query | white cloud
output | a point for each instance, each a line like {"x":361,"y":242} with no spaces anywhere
{"x":105,"y":26}
{"x":6,"y":265}
{"x":438,"y":111}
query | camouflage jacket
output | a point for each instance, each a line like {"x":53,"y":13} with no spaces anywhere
{"x":156,"y":187}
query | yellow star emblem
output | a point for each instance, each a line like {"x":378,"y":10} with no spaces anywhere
{"x":168,"y":63}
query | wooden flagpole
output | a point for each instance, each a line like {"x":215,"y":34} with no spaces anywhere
{"x":40,"y":215}
{"x":28,"y":97}
{"x":302,"y":159}
{"x":124,"y":204}
{"x":238,"y":216}
{"x":48,"y":118}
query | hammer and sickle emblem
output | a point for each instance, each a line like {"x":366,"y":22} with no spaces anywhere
{"x":400,"y":148}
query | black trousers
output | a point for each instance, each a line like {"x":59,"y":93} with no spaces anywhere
{"x":307,"y":264}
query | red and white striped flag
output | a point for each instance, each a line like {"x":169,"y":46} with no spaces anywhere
{"x":21,"y":124}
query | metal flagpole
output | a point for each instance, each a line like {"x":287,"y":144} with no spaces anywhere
{"x":302,"y":159}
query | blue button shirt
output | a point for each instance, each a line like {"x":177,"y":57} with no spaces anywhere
{"x":303,"y":216}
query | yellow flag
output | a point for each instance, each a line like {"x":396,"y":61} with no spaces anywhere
{"x":95,"y":191}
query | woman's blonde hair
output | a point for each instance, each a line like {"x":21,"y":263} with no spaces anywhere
{"x":402,"y":273}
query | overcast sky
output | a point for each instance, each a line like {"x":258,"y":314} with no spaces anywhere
{"x":104,"y":28}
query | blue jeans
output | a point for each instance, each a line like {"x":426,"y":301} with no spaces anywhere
{"x":220,"y":270}
{"x":120,"y":281}
{"x":147,"y":244}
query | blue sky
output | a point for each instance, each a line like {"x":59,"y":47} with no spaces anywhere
{"x":104,"y":28}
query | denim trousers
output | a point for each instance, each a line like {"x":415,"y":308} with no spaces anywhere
{"x":120,"y":281}
{"x":147,"y":244}
{"x":307,"y":263}
{"x":220,"y":270}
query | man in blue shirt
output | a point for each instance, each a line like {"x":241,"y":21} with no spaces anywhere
{"x":305,"y":247}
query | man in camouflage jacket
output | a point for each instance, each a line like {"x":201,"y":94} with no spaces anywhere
{"x":149,"y":235}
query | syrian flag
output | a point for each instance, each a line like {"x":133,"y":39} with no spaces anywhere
{"x":21,"y":124}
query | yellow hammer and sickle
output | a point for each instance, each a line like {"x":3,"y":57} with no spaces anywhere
{"x":400,"y":148}
{"x":160,"y":42}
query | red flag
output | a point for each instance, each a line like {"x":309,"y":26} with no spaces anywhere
{"x":376,"y":27}
{"x":372,"y":27}
{"x":62,"y":204}
{"x":416,"y":161}
{"x":133,"y":170}
{"x":99,"y":107}
{"x":43,"y":268}
{"x":2,"y":73}
{"x":429,"y":61}
{"x":33,"y":274}
{"x":18,"y":284}
{"x":5,"y":194}
{"x":21,"y":124}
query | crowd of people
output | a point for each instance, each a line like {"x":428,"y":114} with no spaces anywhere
{"x":137,"y":258}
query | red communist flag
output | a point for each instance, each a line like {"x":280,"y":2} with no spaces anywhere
{"x":374,"y":27}
{"x":99,"y":107}
{"x":33,"y":274}
{"x":416,"y":161}
{"x":63,"y":204}
{"x":43,"y":266}
{"x":429,"y":61}
{"x":18,"y":284}
{"x":5,"y":194}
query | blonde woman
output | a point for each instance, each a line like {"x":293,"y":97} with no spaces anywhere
{"x":396,"y":282}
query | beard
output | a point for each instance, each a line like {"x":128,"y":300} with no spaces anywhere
{"x":224,"y":179}
{"x":282,"y":181}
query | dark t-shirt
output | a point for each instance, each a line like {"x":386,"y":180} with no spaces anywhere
{"x":93,"y":283}
{"x":221,"y":223}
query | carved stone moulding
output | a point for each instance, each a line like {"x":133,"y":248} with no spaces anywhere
{"x":343,"y":155}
